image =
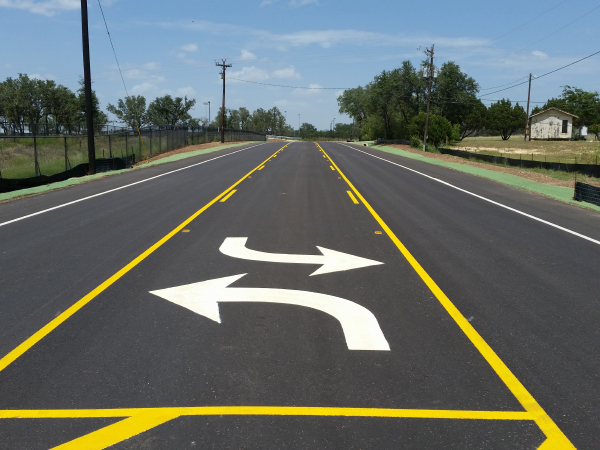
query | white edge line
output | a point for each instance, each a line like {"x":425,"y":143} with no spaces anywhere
{"x":121,"y":187}
{"x":481,"y":197}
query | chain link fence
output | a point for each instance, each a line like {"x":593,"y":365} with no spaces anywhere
{"x":31,"y":155}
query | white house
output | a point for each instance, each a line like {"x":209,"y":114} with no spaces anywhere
{"x":552,"y":123}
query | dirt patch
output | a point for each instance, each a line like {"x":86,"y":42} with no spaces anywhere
{"x":529,"y":175}
{"x":189,"y":148}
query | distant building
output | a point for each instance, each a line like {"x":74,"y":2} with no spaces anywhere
{"x":550,"y":124}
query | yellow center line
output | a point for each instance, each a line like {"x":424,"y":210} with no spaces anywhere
{"x":352,"y":197}
{"x":332,"y":168}
{"x":261,"y":168}
{"x":555,"y":437}
{"x":53,"y":324}
{"x":224,"y":199}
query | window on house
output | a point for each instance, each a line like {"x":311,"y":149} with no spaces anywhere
{"x":565,"y":127}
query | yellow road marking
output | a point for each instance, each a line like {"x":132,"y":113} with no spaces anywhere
{"x":224,"y":199}
{"x":185,"y":231}
{"x":555,"y":438}
{"x":262,"y":411}
{"x":53,"y":324}
{"x":261,"y":168}
{"x":352,"y":197}
{"x":378,"y":232}
{"x":139,"y":420}
{"x":331,"y":167}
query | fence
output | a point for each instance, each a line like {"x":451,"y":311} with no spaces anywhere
{"x":587,"y":193}
{"x":591,"y":170}
{"x":39,"y":157}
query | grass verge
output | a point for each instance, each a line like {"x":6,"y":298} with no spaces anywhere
{"x":562,"y":193}
{"x":73,"y":181}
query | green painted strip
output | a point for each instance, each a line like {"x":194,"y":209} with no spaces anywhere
{"x":73,"y":181}
{"x":564,"y":194}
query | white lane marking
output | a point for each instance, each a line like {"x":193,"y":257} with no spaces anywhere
{"x":331,"y":260}
{"x":122,"y":187}
{"x":574,"y":233}
{"x":360,"y":326}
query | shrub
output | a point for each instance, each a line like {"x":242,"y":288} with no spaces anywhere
{"x":417,"y":143}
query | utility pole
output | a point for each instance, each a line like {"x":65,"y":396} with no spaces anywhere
{"x":208,"y":103}
{"x":527,"y":116}
{"x":429,"y":53}
{"x":223,"y":67}
{"x":87,"y":87}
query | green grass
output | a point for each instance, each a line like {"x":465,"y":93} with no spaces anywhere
{"x":17,"y":154}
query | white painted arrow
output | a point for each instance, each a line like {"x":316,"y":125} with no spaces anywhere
{"x":331,"y":260}
{"x":360,"y":326}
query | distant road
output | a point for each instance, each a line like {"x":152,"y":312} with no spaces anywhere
{"x":298,"y":296}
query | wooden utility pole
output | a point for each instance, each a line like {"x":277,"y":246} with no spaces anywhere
{"x":223,"y":67}
{"x":527,"y":131}
{"x":87,"y":87}
{"x":428,"y":52}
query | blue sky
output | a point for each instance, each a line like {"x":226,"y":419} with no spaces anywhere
{"x":170,"y":47}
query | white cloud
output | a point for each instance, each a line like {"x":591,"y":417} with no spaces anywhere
{"x":47,"y":7}
{"x":249,"y":74}
{"x":188,"y":90}
{"x":287,"y":73}
{"x":267,"y":2}
{"x":315,"y":89}
{"x":180,"y":55}
{"x":297,"y":3}
{"x":247,"y":56}
{"x":189,"y":48}
{"x":324,"y":38}
{"x":146,"y":89}
{"x":539,"y":54}
{"x":143,"y":72}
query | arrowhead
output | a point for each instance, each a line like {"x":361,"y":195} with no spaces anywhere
{"x":199,"y":297}
{"x":338,"y":261}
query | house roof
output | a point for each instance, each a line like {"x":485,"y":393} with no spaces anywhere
{"x":554,"y":109}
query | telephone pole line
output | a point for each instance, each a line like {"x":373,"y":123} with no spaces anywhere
{"x":223,"y":67}
{"x":527,"y":131}
{"x":87,"y":87}
{"x":428,"y":52}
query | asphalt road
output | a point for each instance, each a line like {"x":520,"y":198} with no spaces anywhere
{"x":469,"y":326}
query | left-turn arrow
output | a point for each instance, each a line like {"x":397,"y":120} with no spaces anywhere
{"x":361,"y":329}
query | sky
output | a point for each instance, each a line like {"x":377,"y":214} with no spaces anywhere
{"x":171,"y":47}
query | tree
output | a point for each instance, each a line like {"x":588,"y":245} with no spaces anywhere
{"x":584,"y":104}
{"x":99,"y":117}
{"x":439,"y":128}
{"x":170,"y":111}
{"x":505,"y":118}
{"x":595,"y":129}
{"x":474,"y":120}
{"x":132,"y":111}
{"x":307,"y":130}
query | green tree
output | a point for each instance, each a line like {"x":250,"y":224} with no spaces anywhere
{"x":438,"y":130}
{"x":505,"y":118}
{"x":474,"y":120}
{"x":99,"y":117}
{"x":170,"y":111}
{"x":131,"y":110}
{"x":308,"y":130}
{"x":584,"y":104}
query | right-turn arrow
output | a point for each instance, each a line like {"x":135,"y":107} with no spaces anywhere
{"x":330,"y":260}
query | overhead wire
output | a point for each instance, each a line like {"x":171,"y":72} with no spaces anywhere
{"x":113,"y":48}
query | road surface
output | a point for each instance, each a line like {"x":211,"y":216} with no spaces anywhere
{"x":298,"y":296}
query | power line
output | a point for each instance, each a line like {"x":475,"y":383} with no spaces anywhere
{"x":502,"y":85}
{"x":113,"y":48}
{"x":291,"y":87}
{"x":547,"y":73}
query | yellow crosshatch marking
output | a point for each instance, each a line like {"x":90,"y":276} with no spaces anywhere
{"x":555,"y":438}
